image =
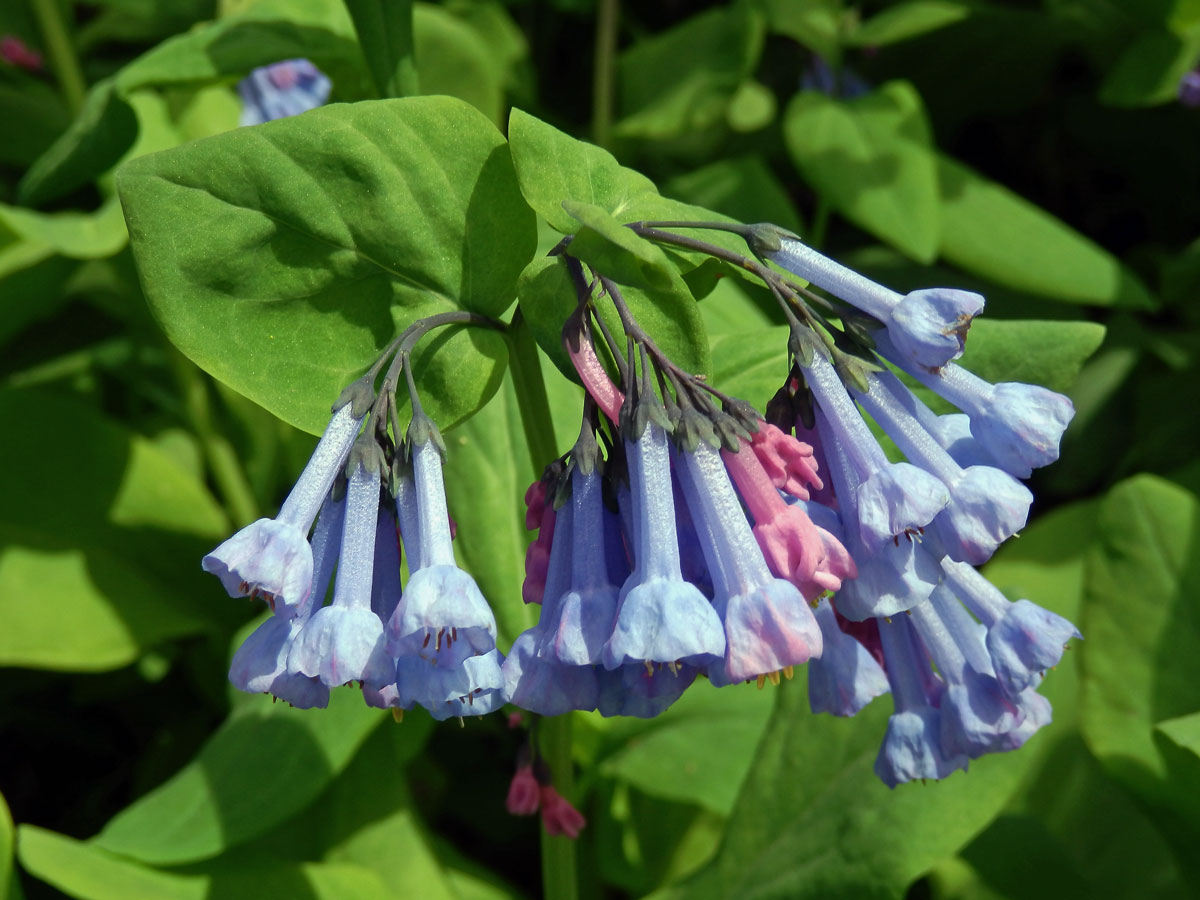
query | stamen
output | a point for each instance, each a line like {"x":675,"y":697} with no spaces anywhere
{"x":761,"y":680}
{"x":773,"y":677}
{"x":425,"y":643}
{"x":788,"y":672}
{"x":397,"y":714}
{"x":649,"y":668}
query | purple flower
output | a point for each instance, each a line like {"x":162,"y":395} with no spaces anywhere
{"x":846,"y":677}
{"x":768,"y":624}
{"x":1189,"y":88}
{"x":344,"y":642}
{"x":546,"y":686}
{"x":661,"y":618}
{"x":282,"y":89}
{"x":575,"y":623}
{"x":986,"y":506}
{"x":929,"y":327}
{"x":912,"y":747}
{"x":473,"y":688}
{"x":442,"y":617}
{"x":893,"y":577}
{"x":271,"y":558}
{"x":1018,"y":425}
{"x":642,"y":690}
{"x":1023,"y":640}
{"x":890,"y":499}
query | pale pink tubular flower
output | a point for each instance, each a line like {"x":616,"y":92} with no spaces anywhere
{"x":790,"y":463}
{"x":540,"y":515}
{"x":794,"y":547}
{"x":523,"y":793}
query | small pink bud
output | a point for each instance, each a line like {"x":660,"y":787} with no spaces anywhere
{"x":559,"y":816}
{"x":523,"y":793}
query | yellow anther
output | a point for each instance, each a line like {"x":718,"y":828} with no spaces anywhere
{"x":762,"y":679}
{"x":773,"y":677}
{"x":398,"y":714}
{"x":788,"y":672}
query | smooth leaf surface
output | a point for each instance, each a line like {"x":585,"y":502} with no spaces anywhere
{"x":612,"y":249}
{"x":456,"y":59}
{"x":113,"y":554}
{"x":684,"y":79}
{"x":1036,"y":352}
{"x":989,"y":230}
{"x":385,"y":33}
{"x":267,"y":762}
{"x":93,"y":235}
{"x":302,"y":261}
{"x":89,"y":872}
{"x":700,"y":751}
{"x":812,"y":820}
{"x":104,"y":129}
{"x":743,"y":188}
{"x":871,"y":158}
{"x":1142,"y":622}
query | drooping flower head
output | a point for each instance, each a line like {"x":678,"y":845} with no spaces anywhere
{"x":282,"y":89}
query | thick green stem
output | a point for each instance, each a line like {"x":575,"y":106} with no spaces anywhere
{"x":559,"y":880}
{"x":61,"y":52}
{"x":602,"y":71}
{"x":219,"y":454}
{"x":531,"y":394}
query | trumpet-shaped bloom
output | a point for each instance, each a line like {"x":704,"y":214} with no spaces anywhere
{"x":768,"y":624}
{"x":986,"y":505}
{"x":929,"y":327}
{"x":846,"y":677}
{"x":576,"y":623}
{"x":271,"y":558}
{"x":660,"y":618}
{"x":344,"y":642}
{"x":442,"y":616}
{"x":546,"y":686}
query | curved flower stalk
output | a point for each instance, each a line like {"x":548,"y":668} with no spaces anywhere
{"x":928,"y":327}
{"x":271,"y":558}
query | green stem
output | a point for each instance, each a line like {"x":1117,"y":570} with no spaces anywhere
{"x":559,"y":880}
{"x":61,"y":52}
{"x":602,"y":71}
{"x":219,"y":454}
{"x":531,"y":394}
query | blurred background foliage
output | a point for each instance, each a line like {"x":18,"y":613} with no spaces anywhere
{"x":1034,"y":151}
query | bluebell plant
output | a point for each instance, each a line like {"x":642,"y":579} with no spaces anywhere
{"x":686,"y":534}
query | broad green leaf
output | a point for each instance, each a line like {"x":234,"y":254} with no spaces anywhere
{"x":751,"y":107}
{"x":43,"y":117}
{"x":812,"y":819}
{"x":105,"y":128}
{"x":907,"y":20}
{"x":113,"y":554}
{"x":698,"y":753}
{"x":267,"y":762}
{"x":385,"y":33}
{"x":553,"y":167}
{"x":816,"y":24}
{"x":264,"y":32}
{"x":751,"y":364}
{"x":456,"y":59}
{"x":743,"y":188}
{"x":1147,"y":73}
{"x":547,"y":296}
{"x":612,"y":249}
{"x":89,"y":872}
{"x":1036,"y":352}
{"x":302,"y":262}
{"x":32,"y":282}
{"x":1183,"y":731}
{"x":988,"y":230}
{"x":1142,"y":624}
{"x":77,"y":235}
{"x":872,"y":159}
{"x":682,"y":80}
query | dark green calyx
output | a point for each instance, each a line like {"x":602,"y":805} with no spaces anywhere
{"x":367,"y":453}
{"x":359,"y":394}
{"x":422,"y":430}
{"x":764,"y":238}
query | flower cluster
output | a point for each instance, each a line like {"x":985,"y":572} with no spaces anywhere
{"x":432,"y":643}
{"x":687,"y":536}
